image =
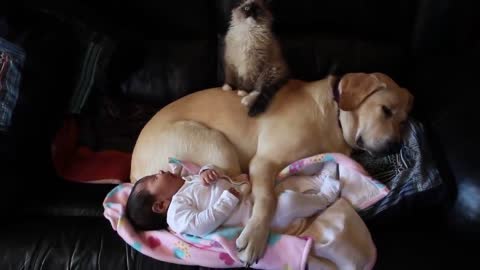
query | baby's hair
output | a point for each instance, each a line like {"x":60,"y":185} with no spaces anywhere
{"x":139,"y":209}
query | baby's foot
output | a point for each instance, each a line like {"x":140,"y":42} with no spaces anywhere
{"x":330,"y":189}
{"x":330,"y":169}
{"x":226,"y":87}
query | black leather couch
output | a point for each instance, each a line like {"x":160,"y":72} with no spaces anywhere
{"x":431,"y":47}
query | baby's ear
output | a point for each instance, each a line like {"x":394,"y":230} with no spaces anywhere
{"x":160,"y":207}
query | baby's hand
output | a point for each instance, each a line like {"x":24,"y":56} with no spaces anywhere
{"x":234,"y":192}
{"x":209,"y":176}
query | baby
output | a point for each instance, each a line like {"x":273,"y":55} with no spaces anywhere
{"x":199,"y":204}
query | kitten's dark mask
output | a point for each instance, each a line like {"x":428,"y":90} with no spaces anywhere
{"x":256,"y":9}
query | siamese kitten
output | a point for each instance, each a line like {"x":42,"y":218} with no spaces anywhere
{"x":253,"y":60}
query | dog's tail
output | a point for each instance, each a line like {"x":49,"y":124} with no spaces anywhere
{"x":261,"y":103}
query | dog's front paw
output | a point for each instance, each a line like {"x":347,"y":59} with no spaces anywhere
{"x":248,"y":100}
{"x":226,"y":87}
{"x":252,"y":242}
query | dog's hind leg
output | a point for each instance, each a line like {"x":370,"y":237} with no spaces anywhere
{"x":185,"y":140}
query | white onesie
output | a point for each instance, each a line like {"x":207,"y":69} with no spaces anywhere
{"x":199,"y":209}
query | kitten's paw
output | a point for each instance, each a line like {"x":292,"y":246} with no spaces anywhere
{"x":226,"y":87}
{"x":248,"y":100}
{"x":242,"y":93}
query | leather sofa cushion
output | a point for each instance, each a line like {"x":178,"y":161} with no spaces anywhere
{"x":166,"y":69}
{"x":75,"y":243}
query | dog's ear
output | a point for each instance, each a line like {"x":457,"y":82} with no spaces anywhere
{"x":354,"y":88}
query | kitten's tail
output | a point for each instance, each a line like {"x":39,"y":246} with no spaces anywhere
{"x":267,"y":93}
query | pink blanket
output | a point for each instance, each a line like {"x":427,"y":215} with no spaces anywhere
{"x":215,"y":250}
{"x":357,"y":187}
{"x":218,"y":249}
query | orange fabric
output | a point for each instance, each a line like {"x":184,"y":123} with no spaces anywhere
{"x":81,"y":164}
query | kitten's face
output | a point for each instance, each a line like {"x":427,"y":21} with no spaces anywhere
{"x":252,"y":11}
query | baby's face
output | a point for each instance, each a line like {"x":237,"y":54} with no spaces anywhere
{"x":163,"y":185}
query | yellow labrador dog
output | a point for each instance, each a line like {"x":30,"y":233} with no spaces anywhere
{"x":363,"y":111}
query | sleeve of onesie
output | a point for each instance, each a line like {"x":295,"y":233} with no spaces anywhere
{"x":184,"y":217}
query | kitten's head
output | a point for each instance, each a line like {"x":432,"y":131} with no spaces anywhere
{"x":253,"y":12}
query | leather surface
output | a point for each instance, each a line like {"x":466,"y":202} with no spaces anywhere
{"x":167,"y":49}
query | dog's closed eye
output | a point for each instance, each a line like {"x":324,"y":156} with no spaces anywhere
{"x":387,"y":111}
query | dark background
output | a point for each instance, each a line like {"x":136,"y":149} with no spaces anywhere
{"x":166,"y":49}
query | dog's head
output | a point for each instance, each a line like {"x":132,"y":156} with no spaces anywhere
{"x":374,"y":111}
{"x":252,"y":11}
